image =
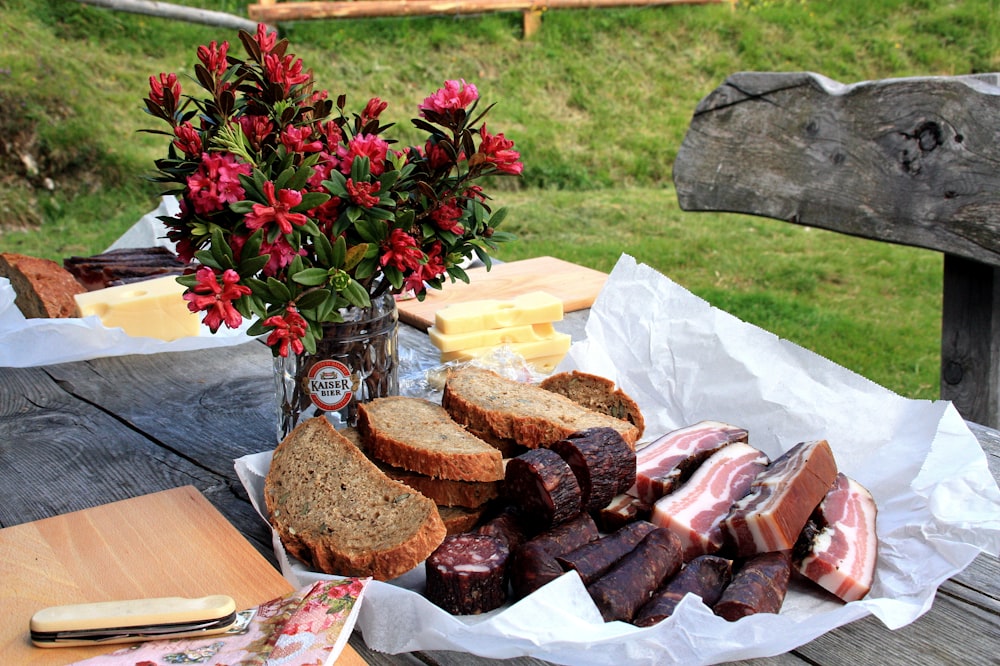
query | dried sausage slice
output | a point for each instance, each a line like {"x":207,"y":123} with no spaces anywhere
{"x":534,"y":563}
{"x":624,"y":589}
{"x":705,"y":576}
{"x":543,"y":486}
{"x":603,"y":462}
{"x":467,"y":574}
{"x":759,"y":586}
{"x":593,"y":559}
{"x":622,"y":510}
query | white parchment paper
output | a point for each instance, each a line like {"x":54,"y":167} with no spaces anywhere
{"x":685,"y":361}
{"x":32,"y":342}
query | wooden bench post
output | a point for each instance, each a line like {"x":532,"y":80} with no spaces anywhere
{"x":913,"y":161}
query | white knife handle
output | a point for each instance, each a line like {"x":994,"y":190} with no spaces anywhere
{"x":131,"y":613}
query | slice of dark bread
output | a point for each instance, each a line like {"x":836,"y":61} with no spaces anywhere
{"x":419,"y":436}
{"x":597,"y":393}
{"x":43,"y":288}
{"x":500,"y":409}
{"x":335,"y":510}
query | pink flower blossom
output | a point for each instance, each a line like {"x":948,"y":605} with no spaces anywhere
{"x":454,"y":96}
{"x":277,"y":210}
{"x":286,"y":71}
{"x":298,"y":140}
{"x":256,"y":129}
{"x":432,"y":268}
{"x":363,"y":194}
{"x":266,"y":40}
{"x":446,"y":217}
{"x":216,"y":182}
{"x":364,"y":145}
{"x":188,"y":140}
{"x":402,"y":251}
{"x":288,"y":331}
{"x":213,"y":57}
{"x":373,"y":109}
{"x":499,"y":152}
{"x":437,"y":156}
{"x":165,"y":90}
{"x":215,"y":299}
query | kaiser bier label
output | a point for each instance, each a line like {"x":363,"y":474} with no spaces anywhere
{"x":330,"y":385}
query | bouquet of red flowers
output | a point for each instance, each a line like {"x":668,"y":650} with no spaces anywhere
{"x":294,"y":209}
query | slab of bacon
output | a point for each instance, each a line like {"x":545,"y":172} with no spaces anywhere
{"x":695,"y":510}
{"x":665,"y":463}
{"x":781,"y":499}
{"x":838,"y":546}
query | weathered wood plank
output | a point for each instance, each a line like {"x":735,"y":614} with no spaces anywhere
{"x":910,"y":161}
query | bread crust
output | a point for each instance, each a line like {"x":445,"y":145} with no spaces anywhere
{"x":531,"y":416}
{"x":44,"y":288}
{"x":597,"y":393}
{"x":335,"y":510}
{"x":419,"y":436}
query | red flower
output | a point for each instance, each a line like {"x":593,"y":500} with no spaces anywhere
{"x":216,"y":182}
{"x":188,"y":140}
{"x":279,"y":210}
{"x":455,"y":95}
{"x":402,"y":251}
{"x":498,"y":152}
{"x":286,"y":71}
{"x":256,"y":129}
{"x":363,"y":194}
{"x":165,"y":91}
{"x":364,"y":145}
{"x":288,"y":331}
{"x":266,"y":40}
{"x":437,"y":156}
{"x":213,"y":57}
{"x":446,"y":216}
{"x":297,"y":140}
{"x":430,"y":269}
{"x":331,"y":132}
{"x":373,"y":109}
{"x":216,"y":300}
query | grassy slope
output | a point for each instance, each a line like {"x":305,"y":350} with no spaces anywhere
{"x":598,"y":103}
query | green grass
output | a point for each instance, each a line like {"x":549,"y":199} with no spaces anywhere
{"x":598,"y":102}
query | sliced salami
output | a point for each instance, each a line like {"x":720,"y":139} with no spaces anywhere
{"x":627,"y":586}
{"x":592,"y":559}
{"x":759,"y":586}
{"x":543,"y":486}
{"x":603,"y":462}
{"x":704,"y":576}
{"x":508,"y":526}
{"x":467,"y":574}
{"x":534,"y":563}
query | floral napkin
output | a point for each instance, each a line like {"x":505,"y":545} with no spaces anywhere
{"x":309,"y":626}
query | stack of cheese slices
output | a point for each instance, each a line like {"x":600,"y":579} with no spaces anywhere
{"x":465,"y":331}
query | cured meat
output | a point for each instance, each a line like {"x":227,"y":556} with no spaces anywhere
{"x":759,"y":586}
{"x":123,"y":265}
{"x":665,"y":463}
{"x":695,"y":511}
{"x":544,"y":486}
{"x":705,"y":576}
{"x":622,"y":510}
{"x":593,"y":559}
{"x":603,"y":462}
{"x":534,"y":563}
{"x":467,"y":574}
{"x":838,"y":547}
{"x":508,"y":526}
{"x":781,"y":499}
{"x":627,"y":586}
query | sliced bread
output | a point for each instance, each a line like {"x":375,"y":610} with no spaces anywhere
{"x":43,"y":288}
{"x":419,"y":436}
{"x":500,"y":409}
{"x":597,"y":393}
{"x":335,"y":510}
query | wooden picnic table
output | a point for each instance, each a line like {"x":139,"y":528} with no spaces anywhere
{"x":83,"y":434}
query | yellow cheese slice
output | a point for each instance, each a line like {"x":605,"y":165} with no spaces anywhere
{"x":555,"y":345}
{"x":150,"y":308}
{"x":489,"y":337}
{"x":536,"y":307}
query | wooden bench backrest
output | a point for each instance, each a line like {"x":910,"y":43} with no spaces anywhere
{"x":914,"y":161}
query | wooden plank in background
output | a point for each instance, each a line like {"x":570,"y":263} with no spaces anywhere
{"x":577,"y":286}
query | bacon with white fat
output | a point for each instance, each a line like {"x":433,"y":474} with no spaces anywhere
{"x":781,"y":499}
{"x":838,"y":547}
{"x":695,"y":510}
{"x":664,"y":464}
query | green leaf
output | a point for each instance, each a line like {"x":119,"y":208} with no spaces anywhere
{"x":361,"y":169}
{"x":336,"y":184}
{"x":313,"y":299}
{"x":354,"y":256}
{"x":340,"y":255}
{"x":283,"y":178}
{"x":188,"y":281}
{"x":311,"y":200}
{"x":206,"y":258}
{"x":279,"y":290}
{"x":356,"y":295}
{"x":311,"y":277}
{"x":309,"y":227}
{"x":498,"y":216}
{"x":324,"y":250}
{"x":257,"y":328}
{"x":253,"y":266}
{"x":372,"y":231}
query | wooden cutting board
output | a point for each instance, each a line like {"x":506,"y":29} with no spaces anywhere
{"x":171,"y":543}
{"x":577,"y":286}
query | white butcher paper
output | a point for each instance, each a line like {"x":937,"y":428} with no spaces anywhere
{"x":684,"y":361}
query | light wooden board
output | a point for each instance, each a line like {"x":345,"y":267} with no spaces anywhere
{"x":170,"y":543}
{"x":577,"y":286}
